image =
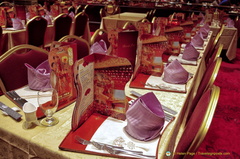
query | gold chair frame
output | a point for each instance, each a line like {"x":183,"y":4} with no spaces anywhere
{"x":67,"y":37}
{"x":191,"y":100}
{"x":209,"y":53}
{"x":127,"y":24}
{"x":215,"y":93}
{"x":92,"y":40}
{"x":216,"y":54}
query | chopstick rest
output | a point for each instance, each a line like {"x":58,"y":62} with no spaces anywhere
{"x":15,"y":115}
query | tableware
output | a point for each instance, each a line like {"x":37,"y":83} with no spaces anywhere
{"x":86,"y":142}
{"x":101,"y":146}
{"x":16,"y":97}
{"x":164,"y":107}
{"x":111,"y":148}
{"x":30,"y":115}
{"x":48,"y":102}
{"x":15,"y":115}
{"x":118,"y":151}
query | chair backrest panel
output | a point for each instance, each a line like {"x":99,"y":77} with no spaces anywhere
{"x":62,"y":26}
{"x":36,"y":29}
{"x":80,"y":22}
{"x":83,"y":47}
{"x":206,"y":82}
{"x":198,"y":125}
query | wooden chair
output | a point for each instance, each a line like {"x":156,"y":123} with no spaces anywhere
{"x":13,"y":72}
{"x":198,"y":124}
{"x":62,"y":25}
{"x":83,"y":47}
{"x":80,"y":24}
{"x":100,"y":34}
{"x":35,"y":31}
{"x":206,"y":82}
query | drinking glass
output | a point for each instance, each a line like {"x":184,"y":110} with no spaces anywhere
{"x":48,"y":102}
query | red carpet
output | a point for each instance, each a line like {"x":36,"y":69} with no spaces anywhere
{"x":223,"y":138}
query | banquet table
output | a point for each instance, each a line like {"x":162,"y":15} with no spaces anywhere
{"x":43,"y":142}
{"x":229,"y":39}
{"x":118,"y":20}
{"x":13,"y":38}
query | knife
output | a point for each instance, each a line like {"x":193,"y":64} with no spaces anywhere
{"x":10,"y":111}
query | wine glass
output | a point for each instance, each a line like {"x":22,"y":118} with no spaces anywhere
{"x":48,"y":102}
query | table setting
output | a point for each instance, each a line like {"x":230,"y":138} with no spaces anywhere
{"x":101,"y":115}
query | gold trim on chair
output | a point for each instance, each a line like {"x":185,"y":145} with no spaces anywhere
{"x":67,"y":37}
{"x":145,"y":20}
{"x":197,"y":92}
{"x":215,"y":72}
{"x":19,"y":47}
{"x":215,"y":55}
{"x":215,"y":93}
{"x":127,"y":24}
{"x":207,"y":56}
{"x":95,"y":34}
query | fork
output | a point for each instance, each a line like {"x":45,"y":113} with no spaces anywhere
{"x":16,"y":97}
{"x":115,"y":151}
{"x":101,"y":146}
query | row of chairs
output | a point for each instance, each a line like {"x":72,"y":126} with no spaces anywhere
{"x":37,"y":26}
{"x":35,"y":56}
{"x":199,"y":107}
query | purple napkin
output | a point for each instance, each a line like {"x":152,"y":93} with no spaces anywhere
{"x":99,"y":47}
{"x":206,"y":27}
{"x":174,"y":73}
{"x":17,"y":23}
{"x":204,"y":31}
{"x":40,"y":77}
{"x":145,"y":118}
{"x":197,"y":40}
{"x":230,"y":23}
{"x":190,"y":53}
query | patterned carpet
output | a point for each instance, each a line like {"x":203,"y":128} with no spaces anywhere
{"x":223,"y":138}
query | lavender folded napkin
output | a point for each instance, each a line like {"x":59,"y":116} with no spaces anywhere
{"x":145,"y":118}
{"x":230,"y":23}
{"x":40,"y":77}
{"x":174,"y":73}
{"x":99,"y":47}
{"x":190,"y":53}
{"x":197,"y":40}
{"x":204,"y":31}
{"x":17,"y":24}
